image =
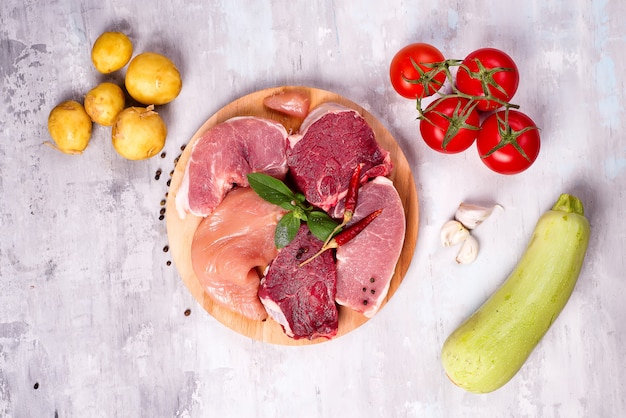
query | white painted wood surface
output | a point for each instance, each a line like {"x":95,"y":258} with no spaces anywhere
{"x":92,"y":319}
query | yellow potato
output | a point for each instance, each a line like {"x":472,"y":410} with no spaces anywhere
{"x":104,"y":102}
{"x":153,"y":79}
{"x":138,"y":133}
{"x":70,"y":127}
{"x":111,"y":51}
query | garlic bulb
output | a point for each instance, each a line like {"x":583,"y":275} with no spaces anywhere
{"x":473,"y":215}
{"x":468,"y":251}
{"x":452,"y":233}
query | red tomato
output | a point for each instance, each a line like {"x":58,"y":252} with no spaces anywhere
{"x":508,"y":144}
{"x":485,"y":72}
{"x":450,"y":124}
{"x":412,"y":74}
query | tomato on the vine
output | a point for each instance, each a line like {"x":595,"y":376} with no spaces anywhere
{"x":414,"y":71}
{"x":488,"y":72}
{"x":450,"y":124}
{"x":508,"y":142}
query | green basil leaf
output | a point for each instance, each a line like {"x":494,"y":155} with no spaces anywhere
{"x":320,"y":224}
{"x":285,"y":205}
{"x":272,"y":190}
{"x":286,"y":230}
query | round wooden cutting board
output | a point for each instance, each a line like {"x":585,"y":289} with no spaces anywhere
{"x":181,"y":231}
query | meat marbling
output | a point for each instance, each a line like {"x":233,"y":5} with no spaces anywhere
{"x":302,"y":298}
{"x":224,"y":156}
{"x":332,"y":141}
{"x":365,"y":265}
{"x":230,"y":245}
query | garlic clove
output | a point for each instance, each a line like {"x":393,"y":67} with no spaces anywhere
{"x":452,"y":233}
{"x":473,"y":215}
{"x":468,"y":251}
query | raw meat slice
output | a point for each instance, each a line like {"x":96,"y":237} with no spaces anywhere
{"x":332,"y":140}
{"x":290,"y":103}
{"x":302,"y":298}
{"x":222,"y":158}
{"x":231,"y":245}
{"x":365,"y":265}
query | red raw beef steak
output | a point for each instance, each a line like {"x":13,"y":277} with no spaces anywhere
{"x":332,"y":141}
{"x":302,"y":298}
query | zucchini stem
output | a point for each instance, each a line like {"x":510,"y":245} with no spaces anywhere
{"x":570,"y":204}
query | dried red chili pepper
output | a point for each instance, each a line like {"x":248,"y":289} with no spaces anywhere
{"x":350,"y":201}
{"x":347,"y":235}
{"x":352,"y":195}
{"x":354,"y":230}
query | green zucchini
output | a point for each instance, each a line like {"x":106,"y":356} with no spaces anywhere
{"x":490,"y":347}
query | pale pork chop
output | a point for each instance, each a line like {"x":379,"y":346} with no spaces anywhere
{"x":332,"y":141}
{"x":365,"y":265}
{"x":302,"y":298}
{"x":223,"y":157}
{"x":231,"y":245}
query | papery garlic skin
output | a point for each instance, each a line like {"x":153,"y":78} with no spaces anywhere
{"x":468,"y":251}
{"x":473,"y":215}
{"x":452,"y":233}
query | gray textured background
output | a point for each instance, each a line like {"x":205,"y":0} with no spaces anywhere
{"x":92,"y":318}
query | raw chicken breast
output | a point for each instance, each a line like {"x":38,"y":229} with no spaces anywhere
{"x":231,"y":246}
{"x":224,"y":156}
{"x":365,"y":265}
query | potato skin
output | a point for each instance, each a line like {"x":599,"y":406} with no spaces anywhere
{"x":138,"y":133}
{"x":111,"y":52}
{"x":70,"y":127}
{"x":153,"y":78}
{"x":104,"y":102}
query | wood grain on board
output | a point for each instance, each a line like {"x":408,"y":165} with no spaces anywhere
{"x":181,"y":231}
